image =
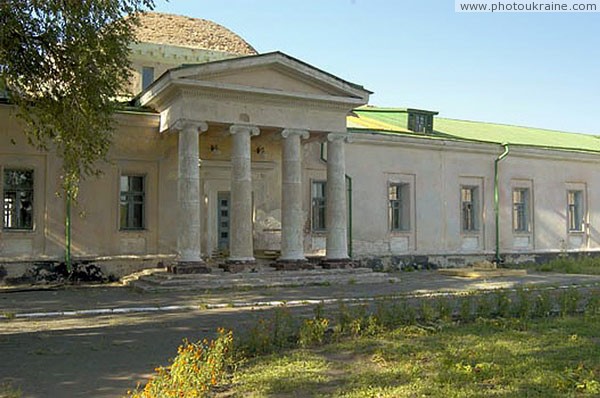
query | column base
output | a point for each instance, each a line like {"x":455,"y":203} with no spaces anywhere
{"x":337,"y":263}
{"x":235,"y":266}
{"x":292,"y":265}
{"x":189,"y":267}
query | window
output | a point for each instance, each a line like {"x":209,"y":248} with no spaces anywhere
{"x":575,"y":210}
{"x":420,"y":122}
{"x":18,"y":199}
{"x":147,"y":76}
{"x":132,"y":202}
{"x":399,"y":206}
{"x":318,"y":205}
{"x":469,"y":204}
{"x":521,"y":210}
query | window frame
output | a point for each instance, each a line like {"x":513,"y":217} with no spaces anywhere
{"x":577,"y":210}
{"x":148,"y":72}
{"x":316,"y":204}
{"x":131,"y":202}
{"x":475,"y":210}
{"x":399,"y":209}
{"x":525,"y":205}
{"x":31,"y":191}
{"x":420,"y":122}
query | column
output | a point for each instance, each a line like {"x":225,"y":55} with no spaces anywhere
{"x":336,"y":254}
{"x":241,"y":249}
{"x":292,"y":219}
{"x":188,"y":198}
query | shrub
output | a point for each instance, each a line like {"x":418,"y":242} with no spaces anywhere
{"x":196,"y":368}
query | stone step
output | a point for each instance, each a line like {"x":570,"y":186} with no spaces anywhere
{"x":162,"y":281}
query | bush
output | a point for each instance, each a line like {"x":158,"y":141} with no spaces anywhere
{"x":196,"y":368}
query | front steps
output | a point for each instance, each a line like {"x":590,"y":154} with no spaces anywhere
{"x":262,"y":277}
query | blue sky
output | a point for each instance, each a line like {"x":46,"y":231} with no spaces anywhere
{"x":530,"y":69}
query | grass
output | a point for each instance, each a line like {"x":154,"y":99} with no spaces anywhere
{"x":550,"y":357}
{"x":7,"y":390}
{"x":586,"y":265}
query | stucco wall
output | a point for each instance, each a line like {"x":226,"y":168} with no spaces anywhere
{"x":437,"y":170}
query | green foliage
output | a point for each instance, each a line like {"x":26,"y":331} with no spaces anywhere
{"x":312,"y":332}
{"x":268,"y":334}
{"x":196,"y":368}
{"x":485,"y":358}
{"x":569,"y":301}
{"x":65,"y":63}
{"x":582,"y":264}
{"x":7,"y":390}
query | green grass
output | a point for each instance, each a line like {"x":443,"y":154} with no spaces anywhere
{"x":568,"y":265}
{"x":7,"y":390}
{"x":552,"y":357}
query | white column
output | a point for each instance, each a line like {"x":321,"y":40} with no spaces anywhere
{"x":188,"y":193}
{"x":292,"y":222}
{"x":241,"y":249}
{"x":336,"y":210}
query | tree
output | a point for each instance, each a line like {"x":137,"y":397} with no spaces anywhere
{"x":65,"y":62}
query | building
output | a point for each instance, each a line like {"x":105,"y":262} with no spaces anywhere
{"x":232,"y":154}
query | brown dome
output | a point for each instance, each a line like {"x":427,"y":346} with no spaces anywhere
{"x":184,"y":31}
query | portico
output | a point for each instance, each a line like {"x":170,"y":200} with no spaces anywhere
{"x":254,"y":114}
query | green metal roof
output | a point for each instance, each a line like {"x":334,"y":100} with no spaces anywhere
{"x":393,"y":121}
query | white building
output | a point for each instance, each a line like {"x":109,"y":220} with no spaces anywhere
{"x":234,"y":154}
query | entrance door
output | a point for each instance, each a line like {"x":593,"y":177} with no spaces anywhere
{"x":223,"y":201}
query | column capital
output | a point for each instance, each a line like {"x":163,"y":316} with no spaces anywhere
{"x":244,"y":128}
{"x":304,"y":134}
{"x":190,"y":124}
{"x":338,"y":136}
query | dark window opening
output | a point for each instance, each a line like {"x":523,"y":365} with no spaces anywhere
{"x":18,"y":199}
{"x":132,"y":202}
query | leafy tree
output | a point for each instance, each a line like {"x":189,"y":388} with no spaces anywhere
{"x":64,"y":63}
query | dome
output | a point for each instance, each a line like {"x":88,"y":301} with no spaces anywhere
{"x":178,"y":30}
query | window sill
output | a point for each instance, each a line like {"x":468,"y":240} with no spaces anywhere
{"x":17,"y":231}
{"x":576,"y":233}
{"x":400,"y":233}
{"x":130,"y":231}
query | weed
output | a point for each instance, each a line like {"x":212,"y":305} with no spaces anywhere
{"x":568,"y":301}
{"x":7,"y":390}
{"x":9,"y":315}
{"x":196,"y":368}
{"x":312,"y":332}
{"x":542,"y":306}
{"x":444,"y":309}
{"x":427,"y":311}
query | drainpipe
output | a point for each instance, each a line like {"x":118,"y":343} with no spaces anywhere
{"x":68,"y":235}
{"x":497,"y":199}
{"x":349,"y":197}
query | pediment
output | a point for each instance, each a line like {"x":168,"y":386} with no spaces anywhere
{"x":274,"y":72}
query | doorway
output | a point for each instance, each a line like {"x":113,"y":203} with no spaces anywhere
{"x":223,"y":217}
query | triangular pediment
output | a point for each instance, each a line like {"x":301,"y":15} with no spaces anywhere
{"x":275,"y":72}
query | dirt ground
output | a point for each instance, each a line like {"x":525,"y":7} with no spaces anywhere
{"x":105,"y":355}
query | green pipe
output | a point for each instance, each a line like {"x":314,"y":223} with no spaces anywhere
{"x":497,"y":200}
{"x":349,"y":196}
{"x":349,"y":185}
{"x":68,"y":235}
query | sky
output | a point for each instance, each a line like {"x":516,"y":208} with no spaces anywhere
{"x":529,"y":69}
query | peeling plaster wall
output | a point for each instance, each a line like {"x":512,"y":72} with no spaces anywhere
{"x":437,"y":170}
